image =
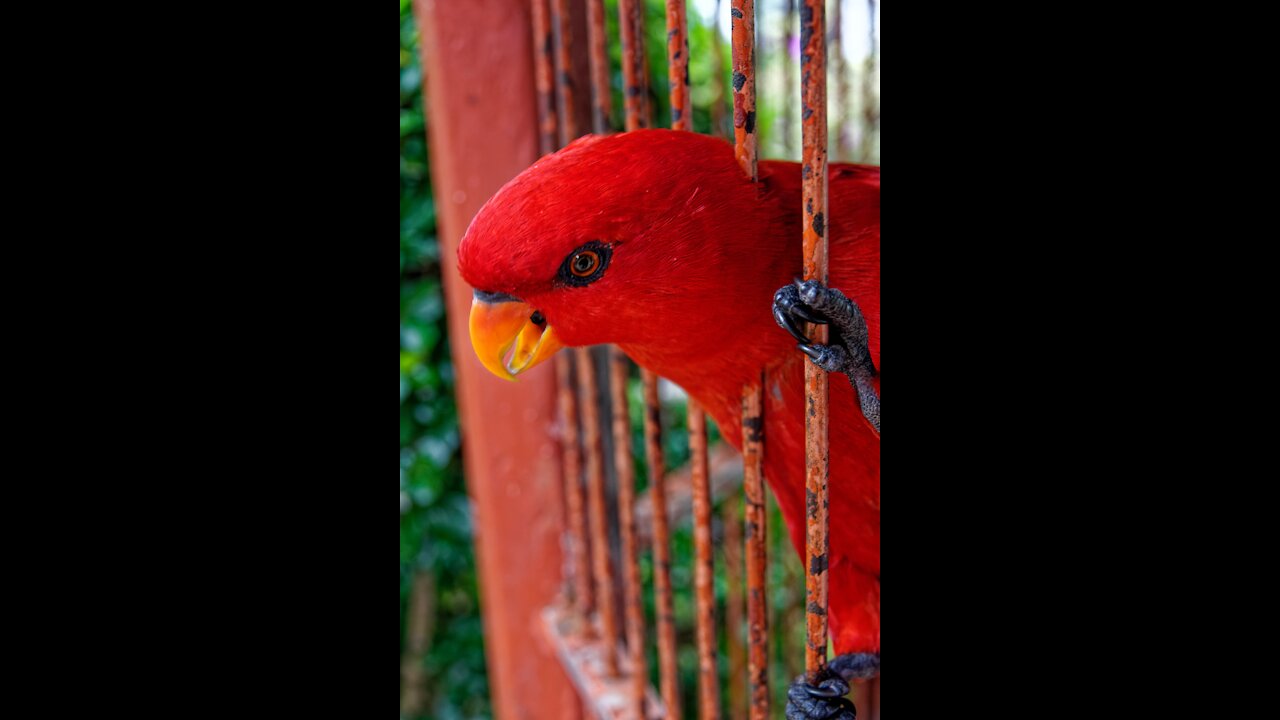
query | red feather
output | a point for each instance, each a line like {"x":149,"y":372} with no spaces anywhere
{"x":698,"y":253}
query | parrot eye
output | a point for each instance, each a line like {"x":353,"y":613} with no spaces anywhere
{"x":586,"y":265}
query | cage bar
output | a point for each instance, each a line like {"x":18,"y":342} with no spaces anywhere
{"x":606,"y":597}
{"x":704,"y":580}
{"x":562,"y":22}
{"x":620,"y":368}
{"x":544,"y":77}
{"x":668,"y":669}
{"x":571,"y":454}
{"x":635,"y":77}
{"x":598,"y":44}
{"x":735,"y":605}
{"x":744,"y":86}
{"x":746,"y":143}
{"x":757,"y":537}
{"x":678,"y":64}
{"x":813,"y":45}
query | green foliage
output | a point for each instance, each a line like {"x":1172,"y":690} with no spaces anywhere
{"x":435,"y":525}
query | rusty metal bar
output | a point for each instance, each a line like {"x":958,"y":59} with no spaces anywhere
{"x":757,"y":526}
{"x":744,"y":86}
{"x":678,"y":64}
{"x":844,"y":130}
{"x":705,"y":580}
{"x":719,"y":128}
{"x":735,"y":606}
{"x":575,"y":500}
{"x":606,"y":596}
{"x":871,"y":113}
{"x":635,"y":77}
{"x":598,"y":44}
{"x":668,"y":668}
{"x":747,"y":148}
{"x":562,"y":21}
{"x":620,"y":368}
{"x":787,"y":124}
{"x":813,"y":34}
{"x":544,"y":73}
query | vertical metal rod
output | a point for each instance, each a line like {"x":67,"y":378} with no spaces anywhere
{"x":747,"y":148}
{"x":579,"y":549}
{"x":844,"y":132}
{"x":606,"y":597}
{"x":545,"y":55}
{"x":598,"y":44}
{"x":787,"y":130}
{"x":744,"y":86}
{"x":620,"y":369}
{"x":635,"y":79}
{"x":562,"y":21}
{"x":678,"y":64}
{"x":705,"y":580}
{"x":668,"y":667}
{"x":757,"y":526}
{"x":870,"y":111}
{"x":735,"y":605}
{"x":813,"y":32}
{"x":718,"y":126}
{"x":544,"y":72}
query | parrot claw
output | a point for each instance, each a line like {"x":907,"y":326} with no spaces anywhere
{"x":849,"y":352}
{"x":826,"y":700}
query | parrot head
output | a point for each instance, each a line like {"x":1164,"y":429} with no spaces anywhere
{"x":651,"y":240}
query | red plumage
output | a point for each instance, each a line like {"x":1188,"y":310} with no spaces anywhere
{"x":698,"y":252}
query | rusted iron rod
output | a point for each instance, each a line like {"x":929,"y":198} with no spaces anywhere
{"x":635,"y":76}
{"x":735,"y":606}
{"x":620,"y":368}
{"x":704,"y":577}
{"x":544,"y":74}
{"x":747,"y":147}
{"x":678,"y":64}
{"x":562,"y":21}
{"x":813,"y":34}
{"x":786,"y":128}
{"x":598,"y":44}
{"x":744,"y":86}
{"x":664,"y":602}
{"x":605,"y":594}
{"x":583,"y":590}
{"x":844,"y":128}
{"x":719,"y":128}
{"x":757,"y":524}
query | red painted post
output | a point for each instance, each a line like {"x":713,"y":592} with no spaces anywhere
{"x":479,"y":141}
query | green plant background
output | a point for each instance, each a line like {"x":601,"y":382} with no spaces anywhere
{"x":435,"y":520}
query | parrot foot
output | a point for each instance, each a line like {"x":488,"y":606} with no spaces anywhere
{"x":826,"y":700}
{"x":849,"y":351}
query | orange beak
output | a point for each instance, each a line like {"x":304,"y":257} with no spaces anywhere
{"x":500,"y":323}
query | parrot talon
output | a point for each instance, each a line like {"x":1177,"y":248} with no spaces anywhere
{"x":786,"y":323}
{"x":823,"y":701}
{"x":848,"y":353}
{"x":826,"y":700}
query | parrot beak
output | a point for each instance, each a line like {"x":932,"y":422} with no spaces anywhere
{"x":501,"y":322}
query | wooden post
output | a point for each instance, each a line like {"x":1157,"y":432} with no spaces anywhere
{"x":477,"y":59}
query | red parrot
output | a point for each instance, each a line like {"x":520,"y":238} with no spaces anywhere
{"x":655,"y":241}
